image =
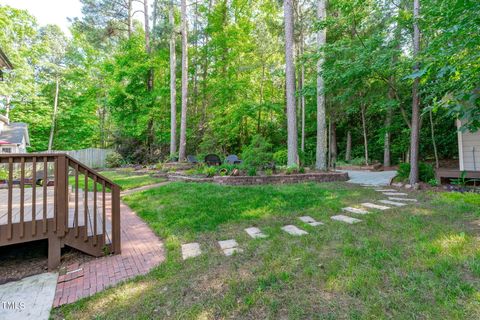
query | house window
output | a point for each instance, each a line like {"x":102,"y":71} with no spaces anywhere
{"x":7,"y":150}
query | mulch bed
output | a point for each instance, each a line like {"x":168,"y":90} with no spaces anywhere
{"x":27,"y":259}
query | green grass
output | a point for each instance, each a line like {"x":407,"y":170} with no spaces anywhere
{"x":125,"y":180}
{"x":420,"y":261}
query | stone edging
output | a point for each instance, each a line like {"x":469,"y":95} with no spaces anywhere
{"x":274,"y":179}
{"x":282,"y":179}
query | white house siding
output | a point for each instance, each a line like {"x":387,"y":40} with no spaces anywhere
{"x":469,"y":150}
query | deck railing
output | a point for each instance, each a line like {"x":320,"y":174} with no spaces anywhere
{"x":55,"y":197}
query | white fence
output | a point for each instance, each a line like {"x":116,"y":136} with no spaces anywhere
{"x":92,"y":157}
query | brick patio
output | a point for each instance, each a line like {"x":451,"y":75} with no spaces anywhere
{"x":141,"y":251}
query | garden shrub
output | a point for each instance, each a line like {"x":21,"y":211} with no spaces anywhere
{"x":209,"y":171}
{"x":114,"y":160}
{"x":426,"y":173}
{"x":3,"y":174}
{"x":292,"y":169}
{"x":360,"y":161}
{"x":252,"y":171}
{"x":281,"y":157}
{"x":258,"y":153}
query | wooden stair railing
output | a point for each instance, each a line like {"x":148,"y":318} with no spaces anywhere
{"x":28,"y":212}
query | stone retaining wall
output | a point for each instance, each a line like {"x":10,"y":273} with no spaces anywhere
{"x":282,"y":179}
{"x":179,"y":177}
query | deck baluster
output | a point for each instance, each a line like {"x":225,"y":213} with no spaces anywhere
{"x":22,"y":197}
{"x":34,"y":196}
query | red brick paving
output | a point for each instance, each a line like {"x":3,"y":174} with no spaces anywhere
{"x":141,"y":251}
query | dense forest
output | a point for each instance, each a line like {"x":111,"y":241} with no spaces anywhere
{"x":173,"y":78}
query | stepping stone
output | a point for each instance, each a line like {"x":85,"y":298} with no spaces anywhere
{"x":402,"y":199}
{"x":346,"y":219}
{"x":374,"y":206}
{"x":309,"y":220}
{"x":386,"y":190}
{"x":395,"y":194}
{"x":293,"y":230}
{"x":229,"y":247}
{"x":393,"y":203}
{"x":355,"y":210}
{"x":255,"y":233}
{"x":191,"y":250}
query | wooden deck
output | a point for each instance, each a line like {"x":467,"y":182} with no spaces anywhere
{"x":62,"y":213}
{"x":46,"y":209}
{"x":453,"y":173}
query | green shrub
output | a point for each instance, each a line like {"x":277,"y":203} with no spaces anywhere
{"x":114,"y":160}
{"x":209,"y":171}
{"x":360,"y":161}
{"x":281,"y":157}
{"x":403,"y":170}
{"x":433,"y":182}
{"x":251,"y":171}
{"x":3,"y":174}
{"x":258,"y":153}
{"x":268,"y":172}
{"x":426,"y":172}
{"x":292,"y":169}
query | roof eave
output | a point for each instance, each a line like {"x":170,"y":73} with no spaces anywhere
{"x":5,"y":60}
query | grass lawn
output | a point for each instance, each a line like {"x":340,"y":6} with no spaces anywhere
{"x":124,"y":179}
{"x":420,"y":261}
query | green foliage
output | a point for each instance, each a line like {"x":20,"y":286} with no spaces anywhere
{"x":280,"y":157}
{"x":426,"y":171}
{"x":358,"y":161}
{"x":252,"y":171}
{"x":292,"y":169}
{"x":462,"y":181}
{"x":3,"y":174}
{"x":433,"y":182}
{"x":258,"y":153}
{"x":114,"y":160}
{"x":209,"y":171}
{"x":237,"y":83}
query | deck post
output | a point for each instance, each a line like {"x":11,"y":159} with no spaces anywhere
{"x":116,"y":233}
{"x":54,"y":252}
{"x":61,"y":197}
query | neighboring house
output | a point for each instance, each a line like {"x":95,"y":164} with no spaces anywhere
{"x":468,"y":149}
{"x":14,"y":137}
{"x":468,"y":157}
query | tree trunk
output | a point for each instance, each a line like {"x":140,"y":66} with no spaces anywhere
{"x":348,"y":152}
{"x":7,"y":107}
{"x":290,"y":85}
{"x":320,"y":163}
{"x":333,"y":143}
{"x":437,"y":163}
{"x":173,"y":81}
{"x":259,"y":116}
{"x":386,"y":143}
{"x":54,"y":117}
{"x":183,"y":121}
{"x":129,"y":19}
{"x":415,"y":132}
{"x":329,"y":163}
{"x":147,"y":44}
{"x":302,"y":96}
{"x":365,"y":138}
